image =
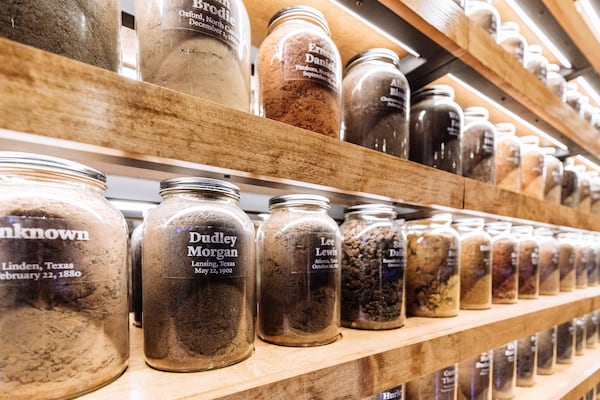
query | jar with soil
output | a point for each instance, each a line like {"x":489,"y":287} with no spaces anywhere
{"x":478,"y":145}
{"x":198,"y":278}
{"x":585,"y":195}
{"x":505,"y":257}
{"x":376,"y":102}
{"x":565,"y":342}
{"x":474,"y":378}
{"x":512,"y":41}
{"x":507,"y":158}
{"x":553,"y":175}
{"x":556,"y":82}
{"x":548,"y":261}
{"x":86,"y":31}
{"x":484,"y":14}
{"x":395,"y":393}
{"x":566,"y":260}
{"x":504,"y":371}
{"x":580,"y":335}
{"x":433,"y":262}
{"x":573,"y":96}
{"x":546,"y":360}
{"x":299,"y":72}
{"x":532,"y":168}
{"x":373,"y":268}
{"x":570,"y":187}
{"x":595,"y":195}
{"x":592,"y":262}
{"x":201,"y":48}
{"x":529,"y":273}
{"x":527,"y":360}
{"x":299,"y":275}
{"x":591,"y":330}
{"x":436,"y":129}
{"x":135,"y":244}
{"x":439,"y":385}
{"x":583,"y":255}
{"x":64,"y":313}
{"x":536,"y":63}
{"x":583,"y":108}
{"x":475,"y":264}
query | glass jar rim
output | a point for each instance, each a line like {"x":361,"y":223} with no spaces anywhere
{"x":375,"y":208}
{"x":199,"y":184}
{"x":299,"y":200}
{"x":476,"y":112}
{"x":306,"y":12}
{"x":379,"y":53}
{"x":435,"y":90}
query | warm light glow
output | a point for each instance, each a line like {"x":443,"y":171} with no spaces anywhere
{"x":589,"y":90}
{"x":509,"y":113}
{"x":588,"y":163}
{"x":540,"y":34}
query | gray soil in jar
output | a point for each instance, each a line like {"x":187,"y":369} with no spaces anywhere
{"x":478,"y":153}
{"x":526,"y":361}
{"x":503,"y":372}
{"x":546,"y":351}
{"x":474,"y":379}
{"x":565,"y":343}
{"x":56,"y":26}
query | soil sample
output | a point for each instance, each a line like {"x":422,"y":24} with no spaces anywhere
{"x":565,"y":342}
{"x":135,"y":245}
{"x":527,"y":359}
{"x":507,"y":158}
{"x":580,"y":335}
{"x":554,"y":174}
{"x":566,"y":260}
{"x":585,"y":195}
{"x":504,"y":371}
{"x":439,"y":385}
{"x":532,"y":168}
{"x":505,"y":257}
{"x":529,"y":274}
{"x":592,"y":263}
{"x":546,"y":351}
{"x":583,"y":253}
{"x":478,"y":145}
{"x":474,"y":378}
{"x":591,"y":330}
{"x":548,"y":265}
{"x":570,"y":187}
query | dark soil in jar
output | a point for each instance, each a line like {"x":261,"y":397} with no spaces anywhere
{"x":526,"y":361}
{"x":565,"y":343}
{"x":528,"y":269}
{"x":504,"y":271}
{"x":474,"y":379}
{"x":503,"y":372}
{"x":546,"y":351}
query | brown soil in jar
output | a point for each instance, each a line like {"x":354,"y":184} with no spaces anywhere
{"x":532,"y":174}
{"x":566,"y":265}
{"x":507,"y":163}
{"x":553,"y":181}
{"x":475,"y":273}
{"x":504,"y":271}
{"x":528,"y":269}
{"x":549,"y":269}
{"x":581,"y":261}
{"x":569,"y":193}
{"x":474,"y":379}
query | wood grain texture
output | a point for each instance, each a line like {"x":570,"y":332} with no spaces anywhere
{"x":358,"y":365}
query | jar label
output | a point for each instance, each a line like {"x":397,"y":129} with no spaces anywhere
{"x":448,"y":380}
{"x":396,"y":98}
{"x":454,"y":124}
{"x":483,"y":365}
{"x":312,"y":60}
{"x":488,"y":143}
{"x":514,"y":155}
{"x":395,"y":255}
{"x":391,"y":394}
{"x":322,"y":252}
{"x":214,"y":18}
{"x":509,"y":352}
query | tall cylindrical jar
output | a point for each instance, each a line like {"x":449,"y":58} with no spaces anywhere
{"x":436,"y":129}
{"x":512,"y":41}
{"x":135,"y":244}
{"x":565,"y":342}
{"x":505,"y":258}
{"x":433,"y":260}
{"x":591,"y":240}
{"x":580,"y":334}
{"x":299,"y":275}
{"x":548,"y":261}
{"x":64,"y":322}
{"x":507,"y":158}
{"x":574,"y":96}
{"x":527,"y":357}
{"x":478,"y":145}
{"x":199,"y":47}
{"x":87,"y":31}
{"x":570,"y":186}
{"x":439,"y":385}
{"x":475,"y":264}
{"x":536,"y":63}
{"x":504,"y":371}
{"x":556,"y":82}
{"x":583,"y":256}
{"x":591,"y":330}
{"x":376,"y":102}
{"x":595,"y":195}
{"x":553,"y":173}
{"x":585,"y":191}
{"x":566,"y":260}
{"x":529,"y":273}
{"x":474,"y":378}
{"x":484,"y":14}
{"x":546,"y":351}
{"x":532,"y":167}
{"x":299,"y":72}
{"x":198,"y":277}
{"x":373,"y":268}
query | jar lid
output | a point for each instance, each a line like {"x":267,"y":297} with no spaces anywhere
{"x":530,"y":140}
{"x":435,"y":90}
{"x":370,"y":208}
{"x":300,"y":200}
{"x":476,"y":112}
{"x":498,"y":226}
{"x":15,"y":159}
{"x":522,"y":229}
{"x":535,"y":49}
{"x":199,"y":184}
{"x":379,"y":54}
{"x":543,"y":231}
{"x":505,"y":128}
{"x":510,"y":26}
{"x":469,"y":221}
{"x":305,"y":12}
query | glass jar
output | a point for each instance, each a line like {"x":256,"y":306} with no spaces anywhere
{"x":556,"y":82}
{"x":546,"y":360}
{"x":573,"y":96}
{"x":433,"y":262}
{"x":565,"y":342}
{"x":478,"y":145}
{"x":64,"y":315}
{"x":584,"y":189}
{"x":536,"y":63}
{"x":591,"y":330}
{"x":532,"y":167}
{"x":475,"y":264}
{"x":595,"y":195}
{"x":583,"y":256}
{"x":474,"y":378}
{"x":529,"y":273}
{"x":198,"y":278}
{"x":580,"y":335}
{"x":376,"y":101}
{"x":439,"y":385}
{"x":299,"y":246}
{"x":507,"y":159}
{"x":566,"y":260}
{"x":395,"y":393}
{"x":436,"y":129}
{"x":570,"y":186}
{"x":135,"y":246}
{"x":504,"y":371}
{"x":87,"y":31}
{"x":591,"y":240}
{"x":583,"y":107}
{"x":300,"y":72}
{"x":512,"y":41}
{"x":527,"y":359}
{"x":484,"y":14}
{"x":553,"y":173}
{"x":373,"y":268}
{"x":201,"y":48}
{"x":548,"y":261}
{"x":505,"y":257}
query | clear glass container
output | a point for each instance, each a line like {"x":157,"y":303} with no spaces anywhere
{"x":504,"y":371}
{"x":505,"y":258}
{"x":584,"y":255}
{"x":556,"y":82}
{"x":373,"y":268}
{"x":570,"y":186}
{"x":507,"y":159}
{"x":568,"y":242}
{"x":580,"y":335}
{"x":512,"y":41}
{"x":439,"y":385}
{"x":436,"y":129}
{"x":573,"y":96}
{"x":565,"y":342}
{"x":583,"y":107}
{"x":527,"y":359}
{"x":475,"y":378}
{"x":584,"y":188}
{"x":433,"y":261}
{"x":198,"y":277}
{"x":376,"y":103}
{"x":478,"y":145}
{"x":135,"y":246}
{"x":532,"y":167}
{"x":87,"y":31}
{"x":553,"y":173}
{"x":593,"y":244}
{"x":484,"y":14}
{"x":591,"y":330}
{"x":548,"y":261}
{"x":546,"y":360}
{"x":595,"y":195}
{"x":299,"y":72}
{"x":299,"y":247}
{"x":529,"y":273}
{"x":475,"y":264}
{"x":64,"y":313}
{"x":201,"y":48}
{"x":536,"y":63}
